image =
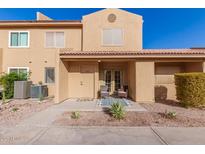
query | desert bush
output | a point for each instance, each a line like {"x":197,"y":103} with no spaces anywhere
{"x":75,"y":115}
{"x":170,"y":114}
{"x":7,"y":81}
{"x":117,"y":111}
{"x":15,"y":109}
{"x":190,"y":89}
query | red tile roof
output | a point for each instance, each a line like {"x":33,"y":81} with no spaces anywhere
{"x":199,"y":51}
{"x":34,"y":23}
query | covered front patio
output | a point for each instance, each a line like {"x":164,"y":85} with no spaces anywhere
{"x":83,"y":78}
{"x":80,"y":74}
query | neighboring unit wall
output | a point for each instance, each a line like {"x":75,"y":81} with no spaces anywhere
{"x":93,"y":25}
{"x":164,"y":80}
{"x":37,"y":56}
{"x":164,"y":77}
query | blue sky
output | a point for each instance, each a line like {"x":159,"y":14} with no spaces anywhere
{"x":162,"y":28}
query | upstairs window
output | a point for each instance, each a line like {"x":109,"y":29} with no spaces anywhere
{"x":55,"y":40}
{"x":19,"y":39}
{"x":112,"y":37}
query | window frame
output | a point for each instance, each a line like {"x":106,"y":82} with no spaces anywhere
{"x":112,"y":45}
{"x":45,"y":75}
{"x":17,"y":31}
{"x":54,"y":47}
{"x":27,"y":68}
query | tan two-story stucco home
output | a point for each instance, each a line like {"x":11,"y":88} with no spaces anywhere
{"x":74,"y":58}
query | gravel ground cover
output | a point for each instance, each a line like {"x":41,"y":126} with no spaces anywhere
{"x":14,"y":111}
{"x":156,"y":116}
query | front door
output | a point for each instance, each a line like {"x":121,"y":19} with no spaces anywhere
{"x":86,"y":81}
{"x":81,"y":81}
{"x":86,"y":85}
{"x":113,"y":79}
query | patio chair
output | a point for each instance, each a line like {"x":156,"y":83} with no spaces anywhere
{"x":104,"y":91}
{"x":123,"y":92}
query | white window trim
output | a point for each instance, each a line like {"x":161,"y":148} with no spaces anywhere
{"x":27,"y":68}
{"x":54,"y":40}
{"x":45,"y":76}
{"x":9,"y":41}
{"x":112,"y":45}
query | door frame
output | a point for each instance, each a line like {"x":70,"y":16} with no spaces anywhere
{"x":93,"y":77}
{"x":112,"y":87}
{"x":75,"y":76}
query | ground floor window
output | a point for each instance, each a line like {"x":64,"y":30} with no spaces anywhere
{"x":18,"y":70}
{"x":49,"y":75}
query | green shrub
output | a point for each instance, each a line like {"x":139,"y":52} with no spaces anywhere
{"x":75,"y":115}
{"x":15,"y":109}
{"x":7,"y":81}
{"x":170,"y":114}
{"x":190,"y":89}
{"x":117,"y":111}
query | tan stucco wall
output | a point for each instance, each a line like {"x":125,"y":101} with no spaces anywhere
{"x":93,"y":24}
{"x":37,"y":57}
{"x":61,"y":93}
{"x":138,"y":74}
{"x":203,"y":64}
{"x":145,"y":81}
{"x":40,"y":16}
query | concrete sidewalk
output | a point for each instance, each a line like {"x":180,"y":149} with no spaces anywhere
{"x":39,"y":129}
{"x":101,"y":135}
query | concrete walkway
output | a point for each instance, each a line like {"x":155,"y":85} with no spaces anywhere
{"x":101,"y":135}
{"x":38,"y":129}
{"x":73,"y":105}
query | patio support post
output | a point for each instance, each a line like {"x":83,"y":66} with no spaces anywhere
{"x":96,"y":78}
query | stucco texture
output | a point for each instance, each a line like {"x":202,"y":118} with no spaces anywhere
{"x":93,"y":25}
{"x":36,"y":56}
